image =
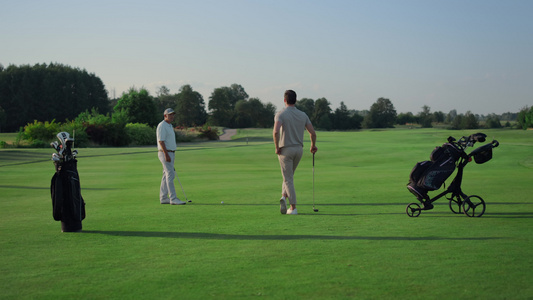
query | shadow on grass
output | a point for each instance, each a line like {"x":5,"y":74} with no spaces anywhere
{"x":47,"y":188}
{"x":223,"y":236}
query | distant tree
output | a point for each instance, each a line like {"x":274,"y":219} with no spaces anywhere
{"x":262,"y":114}
{"x":438,"y":117}
{"x":3,"y":117}
{"x":190,"y":107}
{"x":138,"y":107}
{"x":493,"y":121}
{"x":425,"y":118}
{"x":382,"y":115}
{"x":222,"y":104}
{"x":355,"y":120}
{"x":525,"y":118}
{"x":341,"y":118}
{"x":306,"y":105}
{"x":451,"y":116}
{"x":321,"y":109}
{"x":243,"y":114}
{"x":165,"y":100}
{"x":47,"y":92}
{"x":406,"y":118}
{"x":470,"y":121}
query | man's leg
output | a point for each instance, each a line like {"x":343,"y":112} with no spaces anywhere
{"x":289,"y":159}
{"x":163,"y":189}
{"x":167,"y":182}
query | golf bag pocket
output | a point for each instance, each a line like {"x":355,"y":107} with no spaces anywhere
{"x":418,"y":171}
{"x":482,"y":154}
{"x":435,"y":175}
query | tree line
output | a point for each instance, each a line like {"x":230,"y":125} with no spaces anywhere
{"x":61,"y":93}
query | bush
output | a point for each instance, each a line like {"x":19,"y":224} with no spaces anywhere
{"x":208,"y":133}
{"x":140,"y":134}
{"x":108,"y":134}
{"x":183,"y":137}
{"x":39,"y":131}
{"x":76,"y":131}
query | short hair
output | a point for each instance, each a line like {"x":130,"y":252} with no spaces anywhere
{"x":290,"y":96}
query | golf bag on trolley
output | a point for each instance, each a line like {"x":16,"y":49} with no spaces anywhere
{"x":68,"y":205}
{"x":429,"y":175}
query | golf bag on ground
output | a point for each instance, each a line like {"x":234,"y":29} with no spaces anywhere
{"x":429,"y":175}
{"x":67,"y":203}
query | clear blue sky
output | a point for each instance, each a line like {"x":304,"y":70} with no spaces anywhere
{"x":468,"y":55}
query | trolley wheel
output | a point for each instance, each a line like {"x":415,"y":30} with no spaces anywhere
{"x":456,"y":204}
{"x":413,"y":209}
{"x":474,"y":206}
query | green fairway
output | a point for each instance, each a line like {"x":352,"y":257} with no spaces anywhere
{"x":360,"y":244}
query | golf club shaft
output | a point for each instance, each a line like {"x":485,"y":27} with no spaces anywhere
{"x":182,"y":188}
{"x":313,"y":181}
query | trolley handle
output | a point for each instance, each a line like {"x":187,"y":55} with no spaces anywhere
{"x":495,"y":143}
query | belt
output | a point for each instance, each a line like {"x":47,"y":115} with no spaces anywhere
{"x":168,"y":151}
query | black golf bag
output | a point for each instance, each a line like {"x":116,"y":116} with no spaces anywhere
{"x":67,"y":203}
{"x":429,"y":175}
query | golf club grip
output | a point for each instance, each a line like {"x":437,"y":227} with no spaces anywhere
{"x":313,"y":159}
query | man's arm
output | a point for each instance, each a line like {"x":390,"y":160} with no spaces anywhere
{"x":312,"y":135}
{"x":164,"y":148}
{"x":275,"y":136}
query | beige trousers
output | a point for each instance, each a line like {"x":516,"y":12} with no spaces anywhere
{"x":288,"y":160}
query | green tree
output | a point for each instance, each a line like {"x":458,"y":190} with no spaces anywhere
{"x":493,"y":121}
{"x":425,"y":117}
{"x":470,"y":121}
{"x":222,"y":104}
{"x":165,"y":100}
{"x":306,"y":105}
{"x":381,"y":115}
{"x":451,"y":116}
{"x":341,"y":118}
{"x":46,"y":92}
{"x":525,"y":118}
{"x":406,"y":118}
{"x":322,"y":109}
{"x":190,"y":108}
{"x":438,"y":117}
{"x":137,"y":107}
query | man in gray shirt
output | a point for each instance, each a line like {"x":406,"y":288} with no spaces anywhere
{"x":288,"y":136}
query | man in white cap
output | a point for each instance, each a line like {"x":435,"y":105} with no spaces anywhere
{"x":166,"y":146}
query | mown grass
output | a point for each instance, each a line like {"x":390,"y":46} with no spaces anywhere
{"x":360,"y":244}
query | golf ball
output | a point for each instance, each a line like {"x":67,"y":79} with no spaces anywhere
{"x":221,"y":202}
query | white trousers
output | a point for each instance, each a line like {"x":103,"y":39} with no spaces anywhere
{"x":167,"y":191}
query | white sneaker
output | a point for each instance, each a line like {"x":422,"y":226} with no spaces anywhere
{"x":179,"y":202}
{"x":165,"y":202}
{"x":282,"y":206}
{"x":291,"y":211}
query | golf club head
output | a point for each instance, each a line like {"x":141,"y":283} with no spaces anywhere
{"x":55,"y":145}
{"x":63,"y":137}
{"x":55,"y":157}
{"x":315,"y":209}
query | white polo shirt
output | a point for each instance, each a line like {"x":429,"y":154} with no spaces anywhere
{"x":165,"y":133}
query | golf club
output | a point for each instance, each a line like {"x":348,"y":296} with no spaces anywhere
{"x":314,"y":209}
{"x":186,"y":200}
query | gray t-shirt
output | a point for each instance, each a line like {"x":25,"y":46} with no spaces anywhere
{"x":293,"y":122}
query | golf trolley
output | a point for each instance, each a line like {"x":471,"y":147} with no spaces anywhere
{"x":430,"y":175}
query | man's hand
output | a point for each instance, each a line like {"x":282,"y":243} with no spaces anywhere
{"x":314,"y":149}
